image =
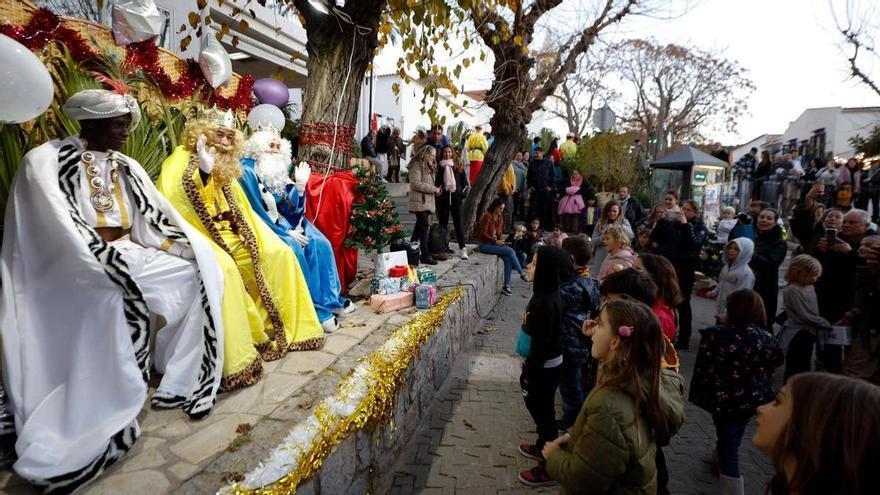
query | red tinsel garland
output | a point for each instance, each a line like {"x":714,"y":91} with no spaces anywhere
{"x":45,"y":27}
{"x":322,"y":133}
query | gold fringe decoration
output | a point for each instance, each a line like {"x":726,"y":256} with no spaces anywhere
{"x":385,"y":375}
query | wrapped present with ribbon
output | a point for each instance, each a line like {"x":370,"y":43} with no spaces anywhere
{"x":393,"y":302}
{"x":425,"y":296}
{"x":386,"y":285}
{"x":426,"y":276}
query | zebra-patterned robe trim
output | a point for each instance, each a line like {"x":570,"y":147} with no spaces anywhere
{"x":134,"y":304}
{"x":202,"y":398}
{"x":116,"y":448}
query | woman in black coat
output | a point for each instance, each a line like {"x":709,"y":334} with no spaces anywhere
{"x":680,"y":240}
{"x":770,"y":251}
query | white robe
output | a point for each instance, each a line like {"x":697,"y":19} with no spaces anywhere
{"x":75,"y":323}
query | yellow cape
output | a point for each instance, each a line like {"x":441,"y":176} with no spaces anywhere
{"x":245,"y":319}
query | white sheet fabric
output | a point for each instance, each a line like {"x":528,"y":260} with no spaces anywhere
{"x":75,"y":314}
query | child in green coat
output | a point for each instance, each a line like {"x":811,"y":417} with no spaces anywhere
{"x":611,"y":448}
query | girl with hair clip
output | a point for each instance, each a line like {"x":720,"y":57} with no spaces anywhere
{"x":822,"y":433}
{"x":612,"y":446}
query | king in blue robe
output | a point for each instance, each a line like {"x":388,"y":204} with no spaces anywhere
{"x":281,"y":203}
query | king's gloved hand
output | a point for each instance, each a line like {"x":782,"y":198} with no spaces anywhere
{"x":301,"y":176}
{"x":206,"y":156}
{"x":299,"y":236}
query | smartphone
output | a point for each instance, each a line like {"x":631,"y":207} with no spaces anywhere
{"x":831,"y":236}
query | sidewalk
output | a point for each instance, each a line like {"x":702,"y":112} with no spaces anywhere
{"x":468,"y":442}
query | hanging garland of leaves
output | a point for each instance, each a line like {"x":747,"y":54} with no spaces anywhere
{"x":45,"y":27}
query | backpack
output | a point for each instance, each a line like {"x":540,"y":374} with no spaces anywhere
{"x":438,"y":239}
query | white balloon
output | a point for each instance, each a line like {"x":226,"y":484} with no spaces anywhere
{"x":135,"y":21}
{"x":215,"y":62}
{"x":26,"y":88}
{"x":266,"y":115}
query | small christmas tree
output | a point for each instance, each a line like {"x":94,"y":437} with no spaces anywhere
{"x":374,"y":223}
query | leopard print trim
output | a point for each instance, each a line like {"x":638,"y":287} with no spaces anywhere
{"x":307,"y":345}
{"x":250,"y":242}
{"x":196,"y":200}
{"x":244,"y":378}
{"x":268,"y":352}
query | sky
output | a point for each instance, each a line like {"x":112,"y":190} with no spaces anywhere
{"x":790,"y":47}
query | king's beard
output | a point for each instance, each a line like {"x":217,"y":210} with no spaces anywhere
{"x":227,"y":168}
{"x":272,"y":169}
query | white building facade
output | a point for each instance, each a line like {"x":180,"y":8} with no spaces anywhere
{"x":764,"y":142}
{"x":825,"y":132}
{"x":273,"y":43}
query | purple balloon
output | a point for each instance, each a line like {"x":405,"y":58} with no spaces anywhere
{"x":271,"y":92}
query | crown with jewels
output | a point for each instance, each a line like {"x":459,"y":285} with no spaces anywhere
{"x":217,"y":116}
{"x":261,"y":127}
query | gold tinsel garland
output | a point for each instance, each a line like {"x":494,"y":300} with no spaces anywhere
{"x":382,"y":372}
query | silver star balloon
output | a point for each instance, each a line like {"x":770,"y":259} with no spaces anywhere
{"x":214,"y":61}
{"x":135,"y":21}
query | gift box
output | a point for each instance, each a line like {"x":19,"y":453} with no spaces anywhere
{"x":384,"y":262}
{"x":426,"y":276}
{"x":393,"y":302}
{"x":425,"y":296}
{"x":385,"y":286}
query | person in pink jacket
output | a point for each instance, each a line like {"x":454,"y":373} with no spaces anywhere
{"x":571,"y":206}
{"x":620,"y":256}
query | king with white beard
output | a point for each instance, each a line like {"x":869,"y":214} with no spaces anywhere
{"x":280,"y":203}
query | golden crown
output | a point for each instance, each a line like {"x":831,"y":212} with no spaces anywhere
{"x":217,"y":116}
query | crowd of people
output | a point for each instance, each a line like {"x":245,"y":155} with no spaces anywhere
{"x":611,"y":308}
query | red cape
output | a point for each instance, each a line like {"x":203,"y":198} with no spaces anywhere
{"x":332,"y":215}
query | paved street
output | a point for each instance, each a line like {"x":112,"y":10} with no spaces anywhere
{"x":468,"y":443}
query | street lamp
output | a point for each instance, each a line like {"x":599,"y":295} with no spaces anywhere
{"x":319,"y":6}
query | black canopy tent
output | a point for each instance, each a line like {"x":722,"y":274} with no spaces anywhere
{"x":687,"y":170}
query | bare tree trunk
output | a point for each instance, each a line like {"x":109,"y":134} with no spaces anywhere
{"x":338,"y":60}
{"x":508,"y":126}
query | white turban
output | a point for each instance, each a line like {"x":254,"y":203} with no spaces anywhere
{"x":101,"y":104}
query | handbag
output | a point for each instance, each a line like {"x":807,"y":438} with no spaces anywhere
{"x":523,"y":343}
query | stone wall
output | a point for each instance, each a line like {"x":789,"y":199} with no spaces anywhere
{"x":361,"y":464}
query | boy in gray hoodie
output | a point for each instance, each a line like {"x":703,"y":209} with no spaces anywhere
{"x":735,"y":274}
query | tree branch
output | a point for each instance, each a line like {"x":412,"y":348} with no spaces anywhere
{"x":857,"y":72}
{"x":587,"y":37}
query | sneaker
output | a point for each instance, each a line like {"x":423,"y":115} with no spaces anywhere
{"x":428,"y":260}
{"x":506,"y":291}
{"x":347,"y":307}
{"x":531,"y":451}
{"x":536,"y":476}
{"x":331,"y":325}
{"x":463,"y":253}
{"x":524,"y":277}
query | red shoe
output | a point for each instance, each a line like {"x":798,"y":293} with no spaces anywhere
{"x":536,"y":476}
{"x":531,"y":451}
